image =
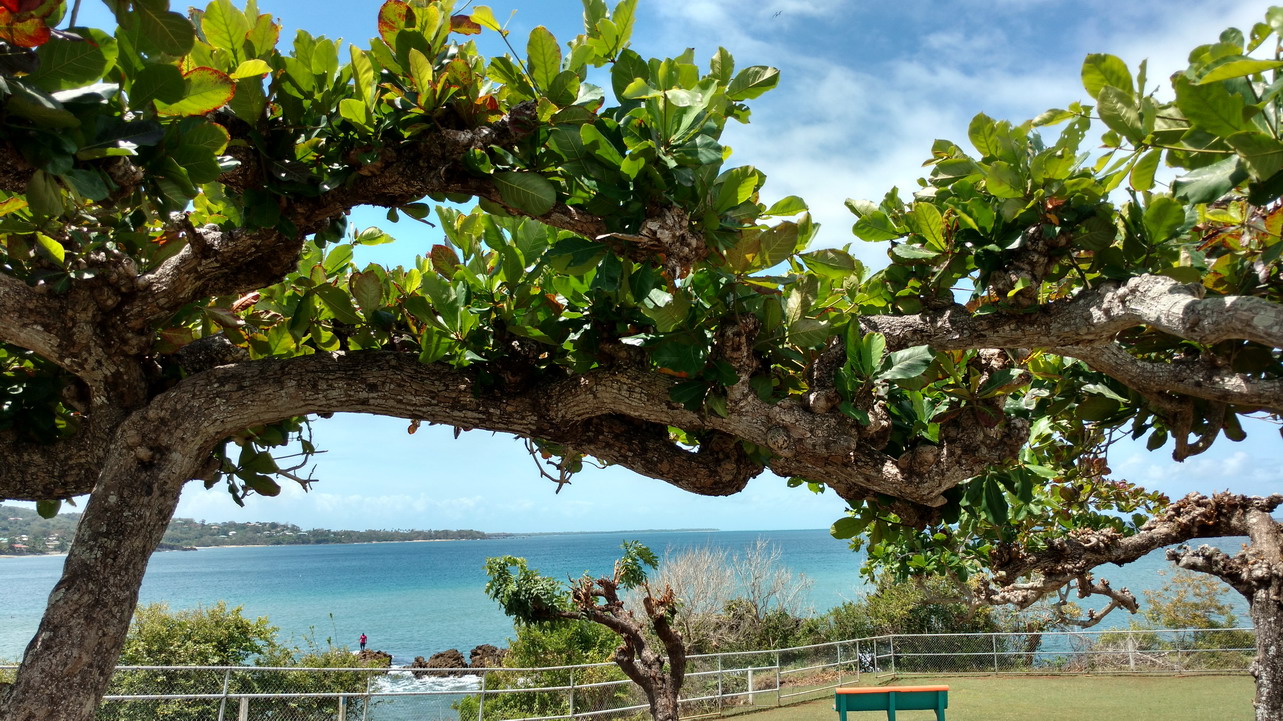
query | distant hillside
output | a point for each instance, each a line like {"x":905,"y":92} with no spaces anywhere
{"x":24,"y":532}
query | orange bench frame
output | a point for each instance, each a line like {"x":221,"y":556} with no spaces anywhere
{"x":891,"y":699}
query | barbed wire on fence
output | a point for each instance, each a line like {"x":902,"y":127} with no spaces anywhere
{"x":714,"y":682}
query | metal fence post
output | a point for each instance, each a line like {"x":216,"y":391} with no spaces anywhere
{"x":1131,"y":650}
{"x":719,"y":683}
{"x":222,"y":705}
{"x":369,"y":685}
{"x":572,"y":693}
{"x":244,"y":710}
{"x":481,"y":704}
{"x":839,"y":648}
{"x":858,"y":670}
{"x":750,"y":685}
{"x":995,"y":652}
{"x":891,"y":641}
{"x":778,"y":690}
{"x":342,"y":708}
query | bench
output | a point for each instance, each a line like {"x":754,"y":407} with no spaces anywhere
{"x":892,"y":699}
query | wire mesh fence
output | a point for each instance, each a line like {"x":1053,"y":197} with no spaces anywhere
{"x":714,"y":682}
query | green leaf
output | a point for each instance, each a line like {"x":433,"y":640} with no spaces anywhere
{"x":907,"y":363}
{"x":983,"y":134}
{"x":252,"y":68}
{"x":777,"y":243}
{"x":44,"y":195}
{"x":791,"y":205}
{"x":1238,"y":69}
{"x":168,"y":32}
{"x":876,"y":226}
{"x":905,"y":251}
{"x":544,"y":58}
{"x":667,"y":310}
{"x":356,"y":112}
{"x":1262,"y":154}
{"x":1210,"y":107}
{"x":48,"y":509}
{"x":225,"y":27}
{"x":421,"y":72}
{"x":1142,"y":175}
{"x":484,"y":16}
{"x":1097,"y":408}
{"x":262,"y":485}
{"x":689,"y":393}
{"x":574,"y":256}
{"x":367,"y":288}
{"x":1163,"y":217}
{"x":72,"y":63}
{"x":995,"y":502}
{"x":808,"y":332}
{"x":156,"y":82}
{"x":1210,"y":181}
{"x":205,"y":90}
{"x":1119,"y":111}
{"x":864,"y":353}
{"x":530,"y":193}
{"x":752,"y":82}
{"x":1101,"y":70}
{"x":1004,"y":181}
{"x":338,"y":302}
{"x":847,"y":527}
{"x":925,"y":219}
{"x":999,"y":381}
{"x":678,"y":356}
{"x":50,"y":248}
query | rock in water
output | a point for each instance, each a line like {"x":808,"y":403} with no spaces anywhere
{"x":451,"y":659}
{"x":366,"y":657}
{"x":487,"y":656}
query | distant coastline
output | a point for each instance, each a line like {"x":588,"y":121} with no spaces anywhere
{"x":24,"y":533}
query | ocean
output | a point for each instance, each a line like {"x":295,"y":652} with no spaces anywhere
{"x":415,"y":599}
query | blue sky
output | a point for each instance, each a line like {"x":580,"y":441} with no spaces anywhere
{"x":866,"y":87}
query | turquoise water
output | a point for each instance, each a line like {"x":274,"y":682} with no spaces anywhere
{"x":414,"y":599}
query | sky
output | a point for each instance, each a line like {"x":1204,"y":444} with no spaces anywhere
{"x":865,"y":89}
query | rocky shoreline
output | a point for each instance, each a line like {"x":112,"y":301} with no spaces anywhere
{"x":445,"y":663}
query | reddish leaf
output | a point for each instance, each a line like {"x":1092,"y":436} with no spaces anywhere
{"x":444,"y":260}
{"x":463,"y":25}
{"x":23,"y":30}
{"x":207,"y":90}
{"x":394,"y":17}
{"x":171,"y":339}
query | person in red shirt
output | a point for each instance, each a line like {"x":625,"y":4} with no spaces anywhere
{"x":362,"y":642}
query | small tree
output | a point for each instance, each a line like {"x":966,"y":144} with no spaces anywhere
{"x":531,"y":598}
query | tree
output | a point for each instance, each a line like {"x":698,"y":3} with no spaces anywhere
{"x":747,"y":600}
{"x":177,"y":292}
{"x":1183,"y":264}
{"x":530,"y":598}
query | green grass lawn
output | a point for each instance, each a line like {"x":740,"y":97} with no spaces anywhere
{"x":1060,"y":698}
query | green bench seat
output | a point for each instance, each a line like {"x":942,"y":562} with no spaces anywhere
{"x":892,"y":699}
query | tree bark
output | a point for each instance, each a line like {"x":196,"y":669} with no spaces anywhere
{"x":69,"y":662}
{"x":1264,"y":570}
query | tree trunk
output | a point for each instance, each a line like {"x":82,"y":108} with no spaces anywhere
{"x":1267,"y":668}
{"x":69,"y":662}
{"x":662,"y":694}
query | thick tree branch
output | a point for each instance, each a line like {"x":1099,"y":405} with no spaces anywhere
{"x":1195,"y":379}
{"x":617,"y":415}
{"x":1093,"y":317}
{"x":32,"y":471}
{"x":1021,"y":576}
{"x":33,"y":320}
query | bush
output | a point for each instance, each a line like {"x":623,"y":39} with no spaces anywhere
{"x":220,"y":636}
{"x":538,"y":645}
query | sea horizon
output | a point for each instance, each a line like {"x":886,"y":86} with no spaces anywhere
{"x":415,"y":598}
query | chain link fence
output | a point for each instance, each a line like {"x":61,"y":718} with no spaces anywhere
{"x":714,"y":682}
